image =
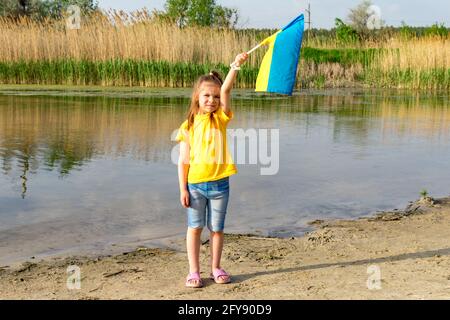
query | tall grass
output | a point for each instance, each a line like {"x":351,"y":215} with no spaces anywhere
{"x":417,"y":63}
{"x":113,"y":73}
{"x":137,"y":50}
{"x":114,"y":37}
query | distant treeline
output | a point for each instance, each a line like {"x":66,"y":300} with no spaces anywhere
{"x":386,"y":32}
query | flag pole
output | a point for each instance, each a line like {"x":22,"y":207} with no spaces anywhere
{"x":253,"y":49}
{"x":233,"y":65}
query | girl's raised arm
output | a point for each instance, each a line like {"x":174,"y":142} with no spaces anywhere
{"x":225,"y":92}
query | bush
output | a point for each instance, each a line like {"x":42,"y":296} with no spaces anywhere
{"x":345,"y":33}
{"x":437,"y":30}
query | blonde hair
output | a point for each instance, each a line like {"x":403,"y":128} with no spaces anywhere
{"x":213,"y":77}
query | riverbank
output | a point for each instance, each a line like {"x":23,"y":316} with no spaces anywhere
{"x":403,"y":254}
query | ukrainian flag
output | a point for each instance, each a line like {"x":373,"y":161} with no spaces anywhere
{"x":279,"y":66}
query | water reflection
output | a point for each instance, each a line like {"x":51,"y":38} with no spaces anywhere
{"x":62,"y":134}
{"x":90,"y":170}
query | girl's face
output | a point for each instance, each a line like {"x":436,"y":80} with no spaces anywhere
{"x":208,"y":97}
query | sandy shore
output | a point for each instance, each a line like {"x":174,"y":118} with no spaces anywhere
{"x":398,"y":255}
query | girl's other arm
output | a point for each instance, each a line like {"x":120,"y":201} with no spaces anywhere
{"x":225,"y":92}
{"x":183,"y":170}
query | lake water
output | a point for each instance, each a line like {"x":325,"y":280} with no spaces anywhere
{"x":91,"y":171}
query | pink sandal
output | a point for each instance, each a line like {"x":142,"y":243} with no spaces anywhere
{"x":194,"y":277}
{"x":220,"y":276}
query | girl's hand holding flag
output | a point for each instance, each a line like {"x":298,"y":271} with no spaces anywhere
{"x":239,"y":60}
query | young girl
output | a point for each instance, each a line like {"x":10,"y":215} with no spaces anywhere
{"x":204,"y":167}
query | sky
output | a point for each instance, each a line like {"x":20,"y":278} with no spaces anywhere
{"x":276,"y":13}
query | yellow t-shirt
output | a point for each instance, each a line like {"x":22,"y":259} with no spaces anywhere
{"x":209,"y":156}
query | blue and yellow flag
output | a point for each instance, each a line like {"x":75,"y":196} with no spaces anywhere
{"x":279,"y":66}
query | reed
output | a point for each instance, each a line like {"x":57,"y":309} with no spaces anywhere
{"x":113,"y":73}
{"x":415,"y":63}
{"x":119,"y":49}
{"x":112,"y":37}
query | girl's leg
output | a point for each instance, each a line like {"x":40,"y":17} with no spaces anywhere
{"x":193,"y":248}
{"x":196,"y":221}
{"x":217,"y":210}
{"x":216,"y":246}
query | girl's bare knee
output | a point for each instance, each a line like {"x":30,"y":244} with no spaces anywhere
{"x":195,"y":230}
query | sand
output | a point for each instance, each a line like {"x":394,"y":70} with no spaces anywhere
{"x":403,"y":254}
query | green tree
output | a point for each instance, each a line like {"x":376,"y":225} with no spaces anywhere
{"x":17,"y":8}
{"x":205,"y":13}
{"x":201,"y":13}
{"x":40,"y":9}
{"x":176,"y":10}
{"x":57,"y":8}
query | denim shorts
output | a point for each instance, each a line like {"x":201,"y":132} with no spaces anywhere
{"x":208,"y":203}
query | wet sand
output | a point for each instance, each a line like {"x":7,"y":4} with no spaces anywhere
{"x":403,"y":254}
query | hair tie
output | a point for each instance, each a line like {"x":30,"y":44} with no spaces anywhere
{"x":211,"y":74}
